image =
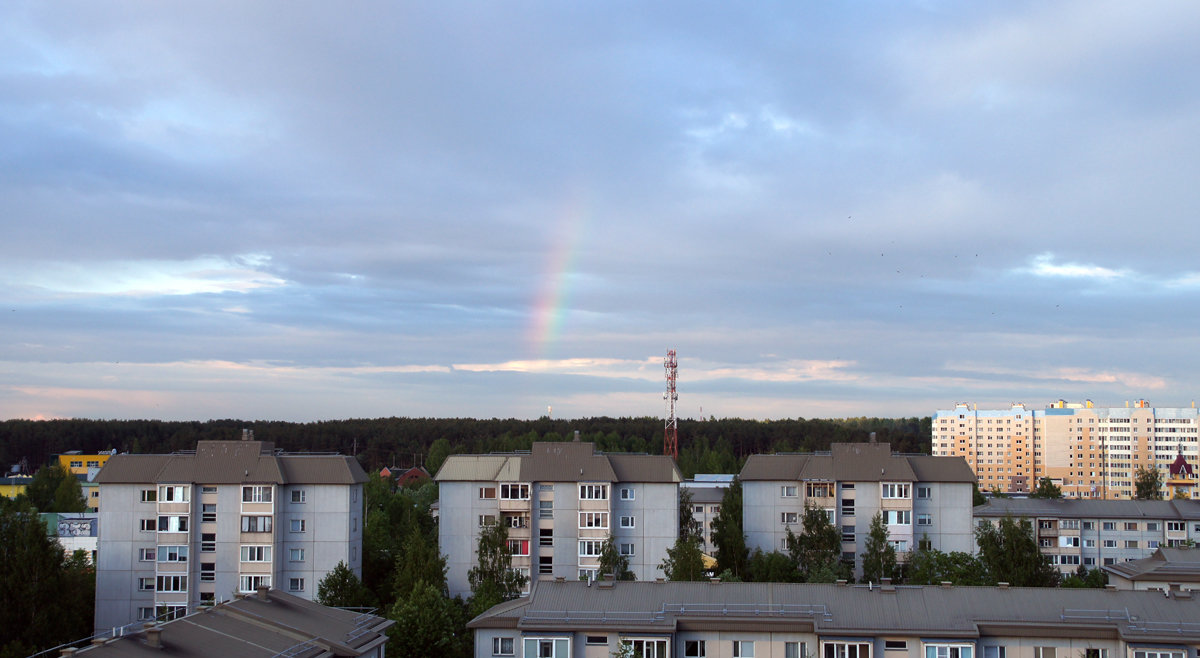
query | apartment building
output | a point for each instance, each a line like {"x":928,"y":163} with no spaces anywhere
{"x":560,"y":501}
{"x":1089,"y":451}
{"x":195,"y":527}
{"x":707,"y":490}
{"x":1098,"y":533}
{"x":1167,"y":569}
{"x":777,"y":620}
{"x":925,"y":501}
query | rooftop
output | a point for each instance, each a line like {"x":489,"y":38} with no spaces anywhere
{"x":232,"y":462}
{"x":567,"y":461}
{"x":1076,"y":508}
{"x":857,"y":462}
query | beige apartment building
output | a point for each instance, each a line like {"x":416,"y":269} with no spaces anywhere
{"x":1088,"y":451}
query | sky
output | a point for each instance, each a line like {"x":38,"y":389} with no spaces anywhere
{"x":311,"y":210}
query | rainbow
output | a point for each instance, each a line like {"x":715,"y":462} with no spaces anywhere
{"x":552,"y":305}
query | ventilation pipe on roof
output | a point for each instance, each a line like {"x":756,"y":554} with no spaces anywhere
{"x":262,"y":592}
{"x":576,"y":436}
{"x":153,"y":636}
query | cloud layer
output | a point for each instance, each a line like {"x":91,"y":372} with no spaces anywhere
{"x":432,"y":209}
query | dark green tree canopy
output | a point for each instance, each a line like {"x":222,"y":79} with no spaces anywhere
{"x":340,"y":588}
{"x":1148,"y":484}
{"x":727,"y":536}
{"x":817,"y":550}
{"x":493,"y":579}
{"x":612,"y":562}
{"x":1008,"y":552}
{"x":684,"y":560}
{"x":1046,"y":489}
{"x":879,"y":558}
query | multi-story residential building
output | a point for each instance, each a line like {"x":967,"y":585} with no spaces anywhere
{"x":1167,"y":569}
{"x":707,"y":490}
{"x":925,"y":501}
{"x":1095,"y":533}
{"x":195,"y":527}
{"x":1089,"y":451}
{"x":74,"y":531}
{"x":777,"y":620}
{"x":560,"y":502}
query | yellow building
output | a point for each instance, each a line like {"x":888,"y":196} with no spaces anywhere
{"x":14,"y":485}
{"x":1088,"y":451}
{"x":79,"y":463}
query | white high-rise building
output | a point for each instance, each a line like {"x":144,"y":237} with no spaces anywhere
{"x":194,"y":527}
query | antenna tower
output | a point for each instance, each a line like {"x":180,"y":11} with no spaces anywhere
{"x":671,"y":427}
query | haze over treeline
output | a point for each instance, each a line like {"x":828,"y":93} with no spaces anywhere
{"x":705,"y":446}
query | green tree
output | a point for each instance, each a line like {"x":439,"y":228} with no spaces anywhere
{"x":727,"y":536}
{"x":340,"y":588}
{"x":977,"y":498}
{"x":1008,"y":552}
{"x":1086,"y":578}
{"x":428,"y":624}
{"x":773,"y":567}
{"x":684,"y":560}
{"x":689,"y":525}
{"x":818,"y":547}
{"x":1148,"y":484}
{"x":1046,"y":489}
{"x":879,"y":558}
{"x":612,"y":562}
{"x":68,"y":496}
{"x":419,"y":561}
{"x":45,"y":485}
{"x":439,"y":450}
{"x":932,"y":567}
{"x":493,"y":580}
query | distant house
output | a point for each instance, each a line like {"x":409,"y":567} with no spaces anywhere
{"x":12,"y":486}
{"x":1168,"y":569}
{"x":404,"y":476}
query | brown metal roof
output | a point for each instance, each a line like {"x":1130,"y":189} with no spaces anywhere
{"x":774,"y":467}
{"x":857,"y":462}
{"x":941,"y":469}
{"x":1166,"y":564}
{"x":231,"y":462}
{"x":869,"y":462}
{"x":846,"y":610}
{"x":645,"y":468}
{"x":1075,"y":508}
{"x":251,"y":627}
{"x":566,"y":461}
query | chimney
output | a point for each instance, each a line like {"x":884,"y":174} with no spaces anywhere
{"x":247,"y":434}
{"x":1002,"y":585}
{"x":576,"y":436}
{"x":98,"y":641}
{"x":872,"y":437}
{"x":945,"y":584}
{"x":715,"y":581}
{"x":154,"y":637}
{"x":841,"y":582}
{"x":66,"y":652}
{"x":262,"y":592}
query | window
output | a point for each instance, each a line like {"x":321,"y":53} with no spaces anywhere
{"x":627,"y":522}
{"x":146,"y":555}
{"x":788,"y":517}
{"x":171,"y":584}
{"x":593,"y":519}
{"x":503,"y":646}
{"x":487,"y":492}
{"x":743,"y":649}
{"x":589,"y":547}
{"x":1158,"y":653}
{"x":514,"y":492}
{"x":993,"y":652}
{"x":208,"y":542}
{"x":924,"y":491}
{"x":899,"y":545}
{"x":793,"y":650}
{"x":518,"y":546}
{"x":145,"y":584}
{"x":298,"y":498}
{"x":924,"y":519}
{"x":848,"y":533}
{"x":172,"y":553}
{"x":148,"y":525}
{"x":847,"y":507}
{"x":546,"y":647}
{"x":487,"y":520}
{"x":593,"y":492}
{"x":1086,"y":525}
{"x":256,"y":524}
{"x":256,"y":494}
{"x":76,"y":463}
{"x":149,"y":495}
{"x":627,"y":493}
{"x":1095,"y":653}
{"x":1177,"y":526}
{"x":1068,"y":542}
{"x":694,"y":649}
{"x":846,"y":650}
{"x":145,"y":614}
{"x":788,"y":491}
{"x":545,"y":509}
{"x":256,"y":553}
{"x":298,"y":525}
{"x":897,"y":517}
{"x":1150,"y":527}
{"x":516,"y":521}
{"x":1131,"y":543}
{"x":818,"y":489}
{"x":296,"y":555}
{"x":894,"y":490}
{"x":208,"y":513}
{"x":1045,"y":652}
{"x":895,"y":645}
{"x":545,"y":564}
{"x":166,"y":612}
{"x":588,"y":574}
{"x":295,"y":584}
{"x":172,"y":524}
{"x":208,"y":572}
{"x":172,"y":493}
{"x":211,"y":490}
{"x":1131,"y":526}
{"x":625,"y":549}
{"x":249,"y":584}
{"x":1110,"y":525}
{"x":647,"y":648}
{"x":948,"y":651}
{"x":596,"y":640}
{"x":1089,"y":543}
{"x":1110,"y":543}
{"x":545,"y":536}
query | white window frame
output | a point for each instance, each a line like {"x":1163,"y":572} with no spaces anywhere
{"x":924,"y":519}
{"x":949,"y":650}
{"x":173,"y":493}
{"x":695,"y":649}
{"x":255,"y":553}
{"x":250,"y":583}
{"x":895,"y":490}
{"x":590,"y":547}
{"x":145,"y":584}
{"x":149,"y":495}
{"x":593,"y":492}
{"x":298,"y":496}
{"x":628,"y":522}
{"x":172,"y":523}
{"x":257,"y":493}
{"x":743,"y":649}
{"x":901,"y":516}
{"x":627,"y":493}
{"x":299,"y":525}
{"x":788,"y":491}
{"x":514,"y":491}
{"x":171,"y":583}
{"x":626,"y":549}
{"x":261,"y":523}
{"x":295,"y":555}
{"x":836,"y":649}
{"x":147,"y":555}
{"x":172,"y":554}
{"x":593,"y":520}
{"x":295,"y":584}
{"x":498,"y":646}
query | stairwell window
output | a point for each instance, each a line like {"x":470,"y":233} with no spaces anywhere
{"x":894,"y":490}
{"x":593,"y":492}
{"x":948,"y":651}
{"x":743,"y":649}
{"x":256,"y":494}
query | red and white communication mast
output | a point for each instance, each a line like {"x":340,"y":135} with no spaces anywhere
{"x":671,"y":427}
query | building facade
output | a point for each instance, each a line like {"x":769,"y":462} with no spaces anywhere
{"x":195,"y":527}
{"x":1088,"y":451}
{"x":707,"y":492}
{"x":925,"y":501}
{"x":777,"y":620}
{"x":1098,"y":533}
{"x":559,"y":502}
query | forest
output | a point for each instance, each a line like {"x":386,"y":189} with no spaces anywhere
{"x":705,"y":446}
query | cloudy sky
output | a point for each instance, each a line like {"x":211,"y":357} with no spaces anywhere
{"x":301,"y":211}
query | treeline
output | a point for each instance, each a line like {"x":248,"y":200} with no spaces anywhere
{"x":705,"y":446}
